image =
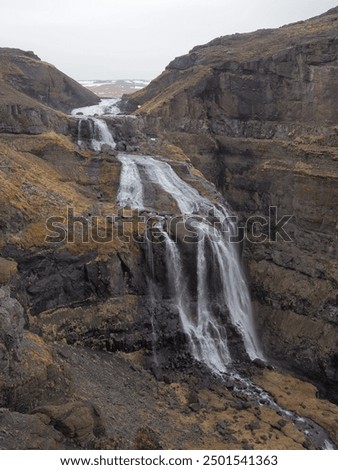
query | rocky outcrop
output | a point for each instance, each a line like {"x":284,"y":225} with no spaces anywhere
{"x":252,"y":85}
{"x":7,"y":270}
{"x":35,"y":389}
{"x":257,"y":114}
{"x":12,"y":325}
{"x":29,"y":75}
{"x":78,"y":421}
{"x":33,"y":94}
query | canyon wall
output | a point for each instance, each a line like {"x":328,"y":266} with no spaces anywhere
{"x":257,"y":114}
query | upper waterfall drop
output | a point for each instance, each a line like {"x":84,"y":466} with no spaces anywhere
{"x":95,"y":132}
{"x":92,"y":128}
{"x":205,"y":329}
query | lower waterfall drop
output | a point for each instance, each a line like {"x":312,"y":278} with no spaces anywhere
{"x":206,"y":332}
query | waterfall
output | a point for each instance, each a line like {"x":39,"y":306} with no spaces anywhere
{"x":153,"y":297}
{"x":205,"y":331}
{"x":95,"y":131}
{"x":130,"y":193}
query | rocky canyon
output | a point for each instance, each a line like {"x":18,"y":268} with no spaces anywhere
{"x":97,"y":350}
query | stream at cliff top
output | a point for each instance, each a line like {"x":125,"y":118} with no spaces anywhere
{"x":106,"y":106}
{"x":207,"y":329}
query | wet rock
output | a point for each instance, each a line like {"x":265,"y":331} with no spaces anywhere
{"x":108,"y":150}
{"x":307,"y":445}
{"x":259,"y":363}
{"x":121,"y":146}
{"x":229,"y":384}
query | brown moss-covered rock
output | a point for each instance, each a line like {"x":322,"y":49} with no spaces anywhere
{"x":78,"y":421}
{"x":147,"y":439}
{"x":7,"y":270}
{"x":302,"y":398}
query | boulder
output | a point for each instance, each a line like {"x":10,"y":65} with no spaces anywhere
{"x":147,"y":439}
{"x":11,"y":326}
{"x":7,"y":270}
{"x":79,"y":421}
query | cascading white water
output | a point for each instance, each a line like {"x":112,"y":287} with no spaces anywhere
{"x":130,"y":192}
{"x":92,"y":130}
{"x":206,"y":343}
{"x":236,"y":292}
{"x":98,"y":131}
{"x":102,"y":134}
{"x":206,"y":333}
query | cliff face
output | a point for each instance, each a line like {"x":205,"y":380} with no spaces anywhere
{"x":77,"y":341}
{"x":32,"y":92}
{"x":88,"y":359}
{"x":262,"y":85}
{"x":258,"y":114}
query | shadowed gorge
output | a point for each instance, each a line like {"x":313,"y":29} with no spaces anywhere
{"x":151,"y":294}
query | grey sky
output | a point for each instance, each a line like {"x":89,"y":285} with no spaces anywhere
{"x":102,"y":39}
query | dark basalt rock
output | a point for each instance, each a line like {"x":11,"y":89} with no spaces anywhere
{"x":49,"y":280}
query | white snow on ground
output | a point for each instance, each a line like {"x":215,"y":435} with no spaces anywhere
{"x":96,"y":83}
{"x":130,"y":83}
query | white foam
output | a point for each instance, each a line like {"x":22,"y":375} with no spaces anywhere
{"x":206,"y":332}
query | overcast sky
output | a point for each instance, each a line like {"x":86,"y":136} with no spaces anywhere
{"x":107,"y":39}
